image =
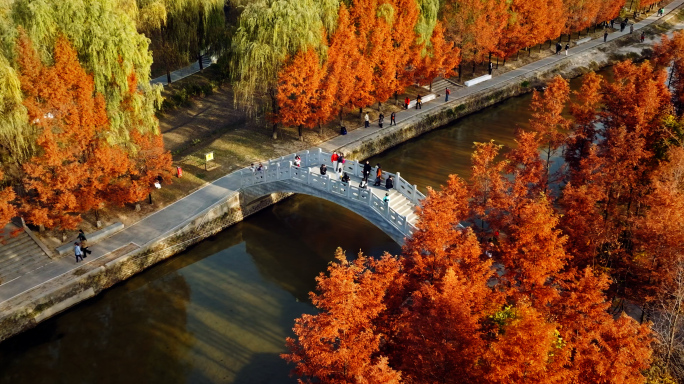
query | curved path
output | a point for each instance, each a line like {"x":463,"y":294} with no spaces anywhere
{"x":164,"y":222}
{"x":395,"y":217}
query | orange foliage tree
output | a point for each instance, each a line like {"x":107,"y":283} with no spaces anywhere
{"x":67,"y":175}
{"x":7,"y":208}
{"x":298,"y":90}
{"x":75,"y":169}
{"x":439,"y":313}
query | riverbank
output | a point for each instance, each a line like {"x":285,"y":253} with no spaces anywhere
{"x":40,"y":295}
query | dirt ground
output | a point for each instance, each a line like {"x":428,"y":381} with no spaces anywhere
{"x":213,"y":124}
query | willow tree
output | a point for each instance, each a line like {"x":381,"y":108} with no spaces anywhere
{"x":182,"y":30}
{"x":14,"y":135}
{"x":270,"y":31}
{"x":108,"y":46}
{"x":429,"y":10}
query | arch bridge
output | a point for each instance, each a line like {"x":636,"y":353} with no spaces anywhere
{"x":396,"y":218}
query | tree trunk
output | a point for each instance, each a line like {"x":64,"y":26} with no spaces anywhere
{"x":320,"y":128}
{"x":473,"y":67}
{"x":360,"y":111}
{"x":497,"y":62}
{"x":199,"y":60}
{"x":459,"y":72}
{"x":301,"y":135}
{"x":517,"y":55}
{"x":275,"y":113}
{"x":379,"y":105}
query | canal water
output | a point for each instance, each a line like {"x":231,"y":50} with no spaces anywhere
{"x":220,"y":312}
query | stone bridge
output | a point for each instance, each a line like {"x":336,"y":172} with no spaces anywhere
{"x":396,"y":218}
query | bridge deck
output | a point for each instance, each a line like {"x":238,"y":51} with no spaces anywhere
{"x":398,"y":202}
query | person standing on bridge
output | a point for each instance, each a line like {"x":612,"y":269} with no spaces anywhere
{"x":378,"y":176}
{"x":389,"y":184}
{"x":324,"y":169}
{"x":345,"y":178}
{"x":367,"y":170}
{"x":340,"y":163}
{"x":386,"y":198}
{"x":393,"y":119}
{"x":333,"y":159}
{"x":447,"y":92}
{"x":298,"y":161}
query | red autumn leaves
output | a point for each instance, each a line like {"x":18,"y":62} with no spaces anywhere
{"x":444,"y":312}
{"x":75,"y":168}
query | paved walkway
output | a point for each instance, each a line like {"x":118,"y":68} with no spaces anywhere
{"x":183,"y":72}
{"x":166,"y":220}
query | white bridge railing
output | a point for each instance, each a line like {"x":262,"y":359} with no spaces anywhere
{"x":283,"y":169}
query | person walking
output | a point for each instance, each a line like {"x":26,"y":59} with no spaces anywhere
{"x":605,"y":36}
{"x":333,"y":160}
{"x":567,"y":48}
{"x":407,"y":101}
{"x":419,"y":102}
{"x":82,"y":237}
{"x":447,"y":92}
{"x":393,"y":119}
{"x":78,"y":252}
{"x":558,"y":48}
{"x":378,"y":176}
{"x":622,"y":26}
{"x":381,"y":120}
{"x":631,"y":28}
{"x":389,"y":184}
{"x":324,"y":169}
{"x":367,"y":120}
{"x":367,"y":169}
{"x":643,"y":37}
{"x":340,"y":162}
{"x":491,"y":68}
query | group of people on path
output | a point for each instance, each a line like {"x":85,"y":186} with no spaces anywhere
{"x":559,"y":48}
{"x":80,"y":249}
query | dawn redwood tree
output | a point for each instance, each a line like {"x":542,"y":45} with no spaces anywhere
{"x":7,"y":208}
{"x":65,"y":177}
{"x":298,"y":85}
{"x":441,"y":58}
{"x":547,"y":118}
{"x":440,"y":314}
{"x":341,"y":342}
{"x":526,"y":26}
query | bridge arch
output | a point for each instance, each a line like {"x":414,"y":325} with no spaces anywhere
{"x":396,"y":218}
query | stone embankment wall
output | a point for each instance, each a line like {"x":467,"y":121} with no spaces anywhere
{"x":30,"y":308}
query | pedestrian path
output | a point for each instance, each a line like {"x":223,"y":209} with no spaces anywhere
{"x":184,"y":72}
{"x":165,"y":221}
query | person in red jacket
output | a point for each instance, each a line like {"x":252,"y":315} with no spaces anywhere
{"x":407,"y":102}
{"x":333,"y":158}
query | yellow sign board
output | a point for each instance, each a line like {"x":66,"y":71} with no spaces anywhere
{"x":209,"y":156}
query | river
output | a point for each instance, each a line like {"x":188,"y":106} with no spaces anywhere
{"x":220,"y":311}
